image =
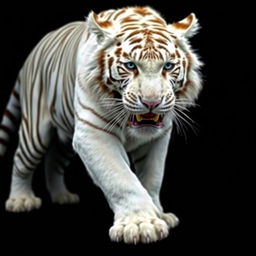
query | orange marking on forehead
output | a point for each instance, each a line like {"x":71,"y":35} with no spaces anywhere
{"x":128,"y":19}
{"x":136,"y":47}
{"x":161,"y":34}
{"x":133,"y":34}
{"x":119,"y":13}
{"x":161,"y":41}
{"x":142,"y":11}
{"x":162,"y":47}
{"x":126,"y":28}
{"x":136,"y":40}
{"x":125,"y":55}
{"x":118,"y":52}
{"x":157,"y":20}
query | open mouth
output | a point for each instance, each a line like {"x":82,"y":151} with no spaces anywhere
{"x":148,"y":119}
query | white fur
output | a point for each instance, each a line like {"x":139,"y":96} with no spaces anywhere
{"x":135,"y":200}
{"x":133,"y":197}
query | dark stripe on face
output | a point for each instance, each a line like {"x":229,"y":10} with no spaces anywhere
{"x":161,"y":41}
{"x":161,"y":34}
{"x":135,"y":47}
{"x":101,"y":63}
{"x":133,"y":34}
{"x":95,"y":126}
{"x":177,"y":53}
{"x":118,"y":52}
{"x":136,"y":40}
{"x":128,"y":20}
{"x":110,"y":63}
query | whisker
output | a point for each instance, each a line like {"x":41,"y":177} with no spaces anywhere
{"x":189,"y":122}
{"x":109,"y":126}
{"x":180,"y":127}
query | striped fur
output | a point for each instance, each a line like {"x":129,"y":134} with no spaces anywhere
{"x":111,"y":85}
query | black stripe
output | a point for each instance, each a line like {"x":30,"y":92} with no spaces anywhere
{"x":10,"y":116}
{"x":37,"y":122}
{"x":23,"y":162}
{"x":25,"y":155}
{"x":25,"y":139}
{"x":19,"y":172}
{"x":6,"y":129}
{"x":16,"y":95}
{"x":39,"y":152}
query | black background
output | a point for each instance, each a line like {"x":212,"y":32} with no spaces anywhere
{"x":204,"y":181}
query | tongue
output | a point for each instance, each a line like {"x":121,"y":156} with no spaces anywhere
{"x":148,"y":115}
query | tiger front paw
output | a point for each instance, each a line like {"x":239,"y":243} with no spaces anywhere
{"x":137,"y":228}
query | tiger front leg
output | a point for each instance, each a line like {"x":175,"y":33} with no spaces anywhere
{"x":149,"y":161}
{"x":136,"y":218}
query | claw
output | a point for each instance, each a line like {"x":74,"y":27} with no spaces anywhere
{"x":135,"y":240}
{"x":162,"y":235}
{"x":117,"y":238}
{"x":148,"y":239}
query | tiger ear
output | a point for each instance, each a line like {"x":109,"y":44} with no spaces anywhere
{"x":186,"y":27}
{"x":103,"y":29}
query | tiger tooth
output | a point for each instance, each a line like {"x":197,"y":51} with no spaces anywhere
{"x":156,"y":117}
{"x":139,"y":118}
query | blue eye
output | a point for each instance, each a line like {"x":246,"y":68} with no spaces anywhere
{"x":130,"y":65}
{"x":168,"y":66}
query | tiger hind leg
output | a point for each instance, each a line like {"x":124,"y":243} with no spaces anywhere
{"x":57,"y":159}
{"x":33,"y":144}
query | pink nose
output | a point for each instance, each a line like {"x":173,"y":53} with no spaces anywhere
{"x":151,"y":104}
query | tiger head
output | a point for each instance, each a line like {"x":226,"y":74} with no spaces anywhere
{"x":145,"y":65}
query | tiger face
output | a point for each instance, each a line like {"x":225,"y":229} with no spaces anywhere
{"x":146,"y":63}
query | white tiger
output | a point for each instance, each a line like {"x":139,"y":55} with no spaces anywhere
{"x":110,"y":86}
